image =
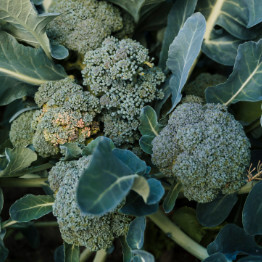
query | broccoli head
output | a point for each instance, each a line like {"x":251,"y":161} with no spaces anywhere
{"x":92,"y":232}
{"x":122,"y":75}
{"x":67,"y":115}
{"x":83,"y":24}
{"x":21,"y":132}
{"x":205,"y":148}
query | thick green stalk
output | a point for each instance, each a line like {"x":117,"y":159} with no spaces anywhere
{"x":178,"y":236}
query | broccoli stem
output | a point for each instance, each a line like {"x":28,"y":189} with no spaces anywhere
{"x":178,"y":236}
{"x":100,"y":256}
{"x":247,"y":187}
{"x":22,"y":182}
{"x":35,"y":169}
{"x":85,"y":255}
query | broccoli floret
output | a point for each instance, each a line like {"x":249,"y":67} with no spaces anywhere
{"x":21,"y":132}
{"x":202,"y":82}
{"x":83,"y":24}
{"x":67,"y":115}
{"x":121,"y":74}
{"x":192,"y":99}
{"x":205,"y":148}
{"x":92,"y":232}
{"x":128,"y":26}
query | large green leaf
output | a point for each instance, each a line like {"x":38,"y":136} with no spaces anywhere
{"x":17,"y":160}
{"x":26,"y":64}
{"x":252,"y":211}
{"x":245,"y":82}
{"x":254,"y":12}
{"x":137,"y":8}
{"x":177,"y":16}
{"x":25,"y":24}
{"x":72,"y":253}
{"x":182,"y":53}
{"x":105,"y":182}
{"x":31,"y":207}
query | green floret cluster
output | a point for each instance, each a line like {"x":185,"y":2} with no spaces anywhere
{"x":21,"y":132}
{"x":122,"y":75}
{"x":83,"y":24}
{"x":205,"y":148}
{"x":67,"y":115}
{"x":202,"y":82}
{"x":95,"y":233}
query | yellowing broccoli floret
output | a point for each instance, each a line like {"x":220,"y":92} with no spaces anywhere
{"x":21,"y":133}
{"x":92,"y":232}
{"x":83,"y":24}
{"x":67,"y":115}
{"x":122,"y":75}
{"x":205,"y":148}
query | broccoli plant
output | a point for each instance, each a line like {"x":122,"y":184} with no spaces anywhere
{"x":130,"y":126}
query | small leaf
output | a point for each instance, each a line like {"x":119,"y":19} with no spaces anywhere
{"x":252,"y":211}
{"x":177,"y":16}
{"x":3,"y":251}
{"x":105,"y":182}
{"x":217,"y":257}
{"x":170,"y":199}
{"x":72,"y":253}
{"x":143,"y":256}
{"x":31,"y":207}
{"x":145,"y":143}
{"x":182,"y":53}
{"x":214,"y":213}
{"x":141,"y":187}
{"x":127,"y":255}
{"x":135,"y":235}
{"x":244,"y":84}
{"x":17,"y":160}
{"x":70,"y":151}
{"x":59,"y":255}
{"x":1,"y":200}
{"x":25,"y":24}
{"x":59,"y":52}
{"x":254,"y":12}
{"x":156,"y":191}
{"x":233,"y":240}
{"x":26,"y":64}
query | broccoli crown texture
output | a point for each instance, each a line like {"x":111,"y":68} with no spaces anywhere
{"x":121,"y":75}
{"x":205,"y":148}
{"x":83,"y":24}
{"x":21,"y":133}
{"x":202,"y":82}
{"x":67,"y":115}
{"x":92,"y":232}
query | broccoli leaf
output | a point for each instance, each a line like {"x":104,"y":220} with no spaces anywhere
{"x":182,"y":53}
{"x":1,"y":200}
{"x":26,"y":64}
{"x":3,"y":251}
{"x":254,"y":12}
{"x":217,"y":257}
{"x":177,"y":16}
{"x":72,"y":253}
{"x":232,"y":240}
{"x":214,"y":213}
{"x":244,"y":84}
{"x":137,"y":8}
{"x":17,"y":160}
{"x":252,"y":211}
{"x":141,"y":256}
{"x":126,"y":250}
{"x":31,"y":207}
{"x":105,"y":182}
{"x":23,"y":22}
{"x":70,"y":151}
{"x":141,"y":187}
{"x":135,"y":235}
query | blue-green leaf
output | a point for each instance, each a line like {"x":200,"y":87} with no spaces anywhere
{"x":252,"y":211}
{"x":254,"y":12}
{"x":232,"y":240}
{"x":72,"y":253}
{"x":126,"y":250}
{"x":17,"y":160}
{"x":156,"y":191}
{"x":105,"y":183}
{"x":182,"y":53}
{"x":141,"y":187}
{"x":59,"y":52}
{"x":3,"y":251}
{"x":214,"y":213}
{"x":1,"y":200}
{"x":135,"y":235}
{"x":31,"y":207}
{"x":245,"y":82}
{"x":217,"y":257}
{"x":170,"y":199}
{"x":59,"y":255}
{"x":145,"y":143}
{"x":71,"y":151}
{"x":26,"y":64}
{"x":142,"y":256}
{"x":177,"y":16}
